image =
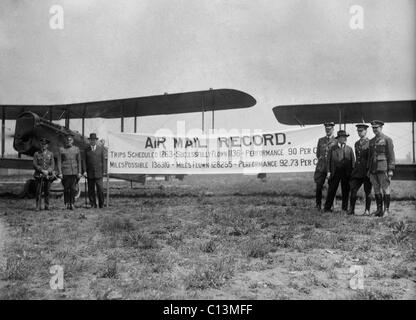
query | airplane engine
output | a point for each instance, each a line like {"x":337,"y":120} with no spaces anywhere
{"x":25,"y":141}
{"x":30,"y":128}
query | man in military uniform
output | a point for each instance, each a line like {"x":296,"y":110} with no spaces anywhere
{"x":321,"y":169}
{"x":381,"y":163}
{"x":95,"y":164}
{"x":44,"y":165}
{"x":341,"y":161}
{"x":69,"y":168}
{"x":359,"y":173}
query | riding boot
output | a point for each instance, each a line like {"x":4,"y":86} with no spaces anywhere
{"x":386,"y":204}
{"x":379,"y":202}
{"x":351,"y":211}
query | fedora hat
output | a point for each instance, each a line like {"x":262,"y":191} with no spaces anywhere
{"x":342,"y":133}
{"x":93,"y":136}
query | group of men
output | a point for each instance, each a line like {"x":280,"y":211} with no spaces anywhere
{"x":372,"y":166}
{"x":71,"y":166}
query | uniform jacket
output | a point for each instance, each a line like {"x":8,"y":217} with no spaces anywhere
{"x":362,"y":153}
{"x":95,"y":162}
{"x":341,"y":158}
{"x":43,"y":161}
{"x":69,"y":161}
{"x":381,"y":157}
{"x":324,"y":144}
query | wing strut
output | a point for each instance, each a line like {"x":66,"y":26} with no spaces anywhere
{"x":413,"y":135}
{"x":213,"y":105}
{"x":203,"y":112}
{"x":3,"y":130}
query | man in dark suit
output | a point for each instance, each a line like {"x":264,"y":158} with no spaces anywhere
{"x":321,"y":170}
{"x":341,"y":161}
{"x":95,"y":166}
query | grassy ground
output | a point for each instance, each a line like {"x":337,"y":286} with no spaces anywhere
{"x":230,"y":237}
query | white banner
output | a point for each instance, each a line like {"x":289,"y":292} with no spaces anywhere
{"x":280,"y":151}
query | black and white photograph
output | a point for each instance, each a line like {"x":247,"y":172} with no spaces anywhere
{"x":220,"y":151}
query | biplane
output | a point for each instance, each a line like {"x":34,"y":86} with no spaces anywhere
{"x":355,"y":112}
{"x":36,"y":121}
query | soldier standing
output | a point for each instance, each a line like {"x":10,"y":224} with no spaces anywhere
{"x":44,"y":165}
{"x":321,"y":170}
{"x":69,"y":167}
{"x":340,"y":163}
{"x":359,"y":173}
{"x":381,"y":163}
{"x":95,"y":164}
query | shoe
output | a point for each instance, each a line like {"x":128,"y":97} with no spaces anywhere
{"x":328,"y":210}
{"x":71,"y":207}
{"x":366,"y":213}
{"x":46,"y":208}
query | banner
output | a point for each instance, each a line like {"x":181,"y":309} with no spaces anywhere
{"x":280,"y":151}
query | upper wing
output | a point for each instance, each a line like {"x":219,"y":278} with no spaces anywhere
{"x":219,"y":99}
{"x":355,"y":112}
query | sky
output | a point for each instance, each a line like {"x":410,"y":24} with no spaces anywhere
{"x":279,"y":51}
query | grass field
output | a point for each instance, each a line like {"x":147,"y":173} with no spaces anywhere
{"x":222,"y":237}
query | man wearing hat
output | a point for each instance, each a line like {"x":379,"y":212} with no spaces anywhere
{"x":359,"y":173}
{"x":381,"y":163}
{"x":69,"y":168}
{"x":340,"y":164}
{"x":44,"y":164}
{"x":95,"y":167}
{"x":321,"y":170}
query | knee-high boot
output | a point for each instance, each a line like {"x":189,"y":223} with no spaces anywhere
{"x":386,"y":204}
{"x":379,"y":202}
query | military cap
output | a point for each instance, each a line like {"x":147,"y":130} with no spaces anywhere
{"x":93,"y":136}
{"x":329,"y":124}
{"x":342,"y":133}
{"x":44,"y":141}
{"x":377,"y":123}
{"x":361,"y":126}
{"x":69,"y":134}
